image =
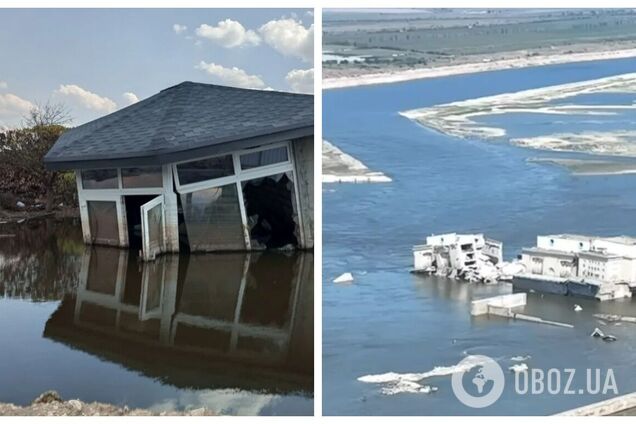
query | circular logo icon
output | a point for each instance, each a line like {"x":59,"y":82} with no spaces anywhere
{"x":488,"y":370}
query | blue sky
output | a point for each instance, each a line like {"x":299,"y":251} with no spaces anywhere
{"x":96,"y":61}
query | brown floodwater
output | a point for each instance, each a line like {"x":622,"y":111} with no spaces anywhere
{"x":231,"y":332}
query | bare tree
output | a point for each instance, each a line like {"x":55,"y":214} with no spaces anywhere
{"x":22,"y":150}
{"x":47,"y":114}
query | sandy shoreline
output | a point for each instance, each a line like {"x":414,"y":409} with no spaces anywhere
{"x":467,"y":68}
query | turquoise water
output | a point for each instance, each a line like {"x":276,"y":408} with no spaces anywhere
{"x":391,"y":320}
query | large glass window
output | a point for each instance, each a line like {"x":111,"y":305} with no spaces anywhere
{"x":99,"y":179}
{"x":213,"y":219}
{"x":102,"y":217}
{"x":206,"y":169}
{"x":141,"y":177}
{"x":264,"y":157}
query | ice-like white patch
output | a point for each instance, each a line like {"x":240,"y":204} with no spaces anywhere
{"x":344,"y":278}
{"x":516,"y":368}
{"x":409,"y":382}
{"x":407,"y":387}
{"x":520,"y":358}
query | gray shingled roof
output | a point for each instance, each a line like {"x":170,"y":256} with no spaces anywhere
{"x":182,"y":122}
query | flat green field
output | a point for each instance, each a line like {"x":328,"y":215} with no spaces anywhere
{"x":359,"y":40}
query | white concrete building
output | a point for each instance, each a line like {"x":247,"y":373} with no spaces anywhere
{"x":470,"y":256}
{"x":605,"y":265}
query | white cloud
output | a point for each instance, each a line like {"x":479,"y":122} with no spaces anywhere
{"x":229,"y":33}
{"x":301,"y":80}
{"x":3,"y":85}
{"x":130,"y":98}
{"x":13,"y":109}
{"x":232,"y":76}
{"x":178,"y":29}
{"x":290,"y":38}
{"x":87,"y":99}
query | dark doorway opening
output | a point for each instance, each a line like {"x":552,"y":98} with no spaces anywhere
{"x":133,"y":219}
{"x":269,"y":206}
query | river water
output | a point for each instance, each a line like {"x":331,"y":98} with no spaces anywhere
{"x":389,"y":320}
{"x":229,"y":332}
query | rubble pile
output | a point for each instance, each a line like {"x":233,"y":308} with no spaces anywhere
{"x":469,"y":257}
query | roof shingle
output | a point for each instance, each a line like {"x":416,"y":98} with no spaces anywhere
{"x":182,"y":122}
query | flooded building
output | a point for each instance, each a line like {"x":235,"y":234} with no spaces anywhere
{"x":197,"y":166}
{"x":472,"y":257}
{"x":601,"y":267}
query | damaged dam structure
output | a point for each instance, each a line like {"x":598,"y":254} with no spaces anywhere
{"x":471,"y":257}
{"x":599,"y":267}
{"x":602,"y":268}
{"x":196,"y":167}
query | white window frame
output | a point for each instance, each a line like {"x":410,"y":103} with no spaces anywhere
{"x":120,"y":190}
{"x":114,"y":195}
{"x":241,"y":175}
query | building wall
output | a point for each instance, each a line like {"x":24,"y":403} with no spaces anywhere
{"x":544,"y":264}
{"x":598,"y":268}
{"x":563,"y":244}
{"x":615,"y":248}
{"x":303,"y":150}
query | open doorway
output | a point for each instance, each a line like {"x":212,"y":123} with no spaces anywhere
{"x":133,"y":219}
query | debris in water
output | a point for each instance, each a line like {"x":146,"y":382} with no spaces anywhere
{"x":20,"y":204}
{"x":407,"y":387}
{"x":344,"y":278}
{"x":597,"y":333}
{"x":470,"y":257}
{"x":520,"y":358}
{"x":605,"y":337}
{"x":516,"y":368}
{"x":578,"y":308}
{"x":615,"y":318}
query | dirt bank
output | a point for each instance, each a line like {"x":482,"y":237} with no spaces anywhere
{"x":51,"y":404}
{"x":19,"y":216}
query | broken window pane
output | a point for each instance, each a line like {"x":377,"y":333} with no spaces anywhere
{"x":213,"y":219}
{"x":264,"y":157}
{"x":141,"y":177}
{"x":206,"y":169}
{"x":271,"y":211}
{"x":102,"y":217}
{"x":99,"y":179}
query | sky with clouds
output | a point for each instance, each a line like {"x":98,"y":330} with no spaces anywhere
{"x":98,"y":61}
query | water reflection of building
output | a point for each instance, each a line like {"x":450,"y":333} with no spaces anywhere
{"x":211,"y":320}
